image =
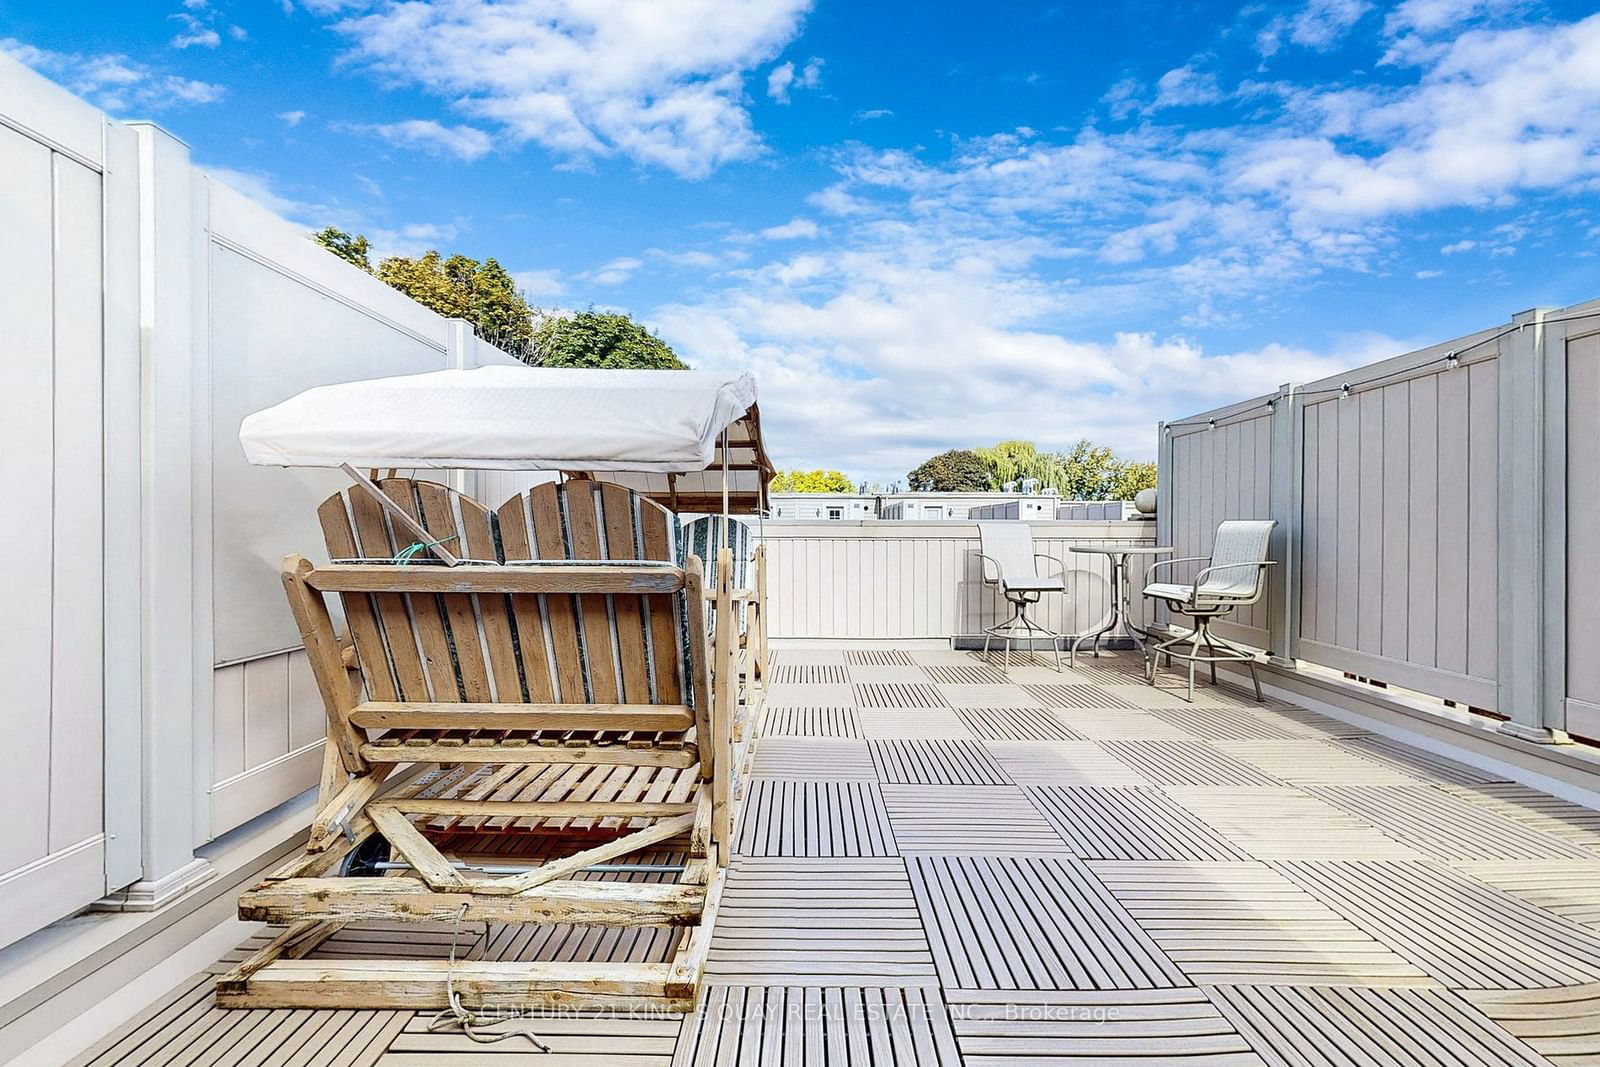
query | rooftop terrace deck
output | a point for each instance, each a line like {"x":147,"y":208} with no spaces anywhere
{"x":942,"y":864}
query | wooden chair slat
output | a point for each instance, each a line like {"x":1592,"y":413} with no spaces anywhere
{"x":372,"y":532}
{"x":495,"y":612}
{"x":427,"y":612}
{"x":583,"y":528}
{"x":622,"y":542}
{"x":376,"y":670}
{"x":459,"y":610}
{"x":544,"y":510}
{"x":527,"y":609}
{"x":664,"y":624}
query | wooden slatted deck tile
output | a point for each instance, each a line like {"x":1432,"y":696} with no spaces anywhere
{"x":882,"y":724}
{"x":1004,"y":695}
{"x":1570,"y":888}
{"x":939,"y":762}
{"x":1246,"y":924}
{"x":588,"y":1040}
{"x":1015,"y":724}
{"x":187,"y":1027}
{"x":1188,"y":762}
{"x":1062,"y":763}
{"x":964,"y":674}
{"x":888,"y":674}
{"x":1228,"y":724}
{"x":1132,"y":1027}
{"x":898,"y":695}
{"x":831,"y":818}
{"x":1461,"y":931}
{"x":1129,"y":824}
{"x":813,"y":758}
{"x":1335,"y":1027}
{"x":1019,"y":923}
{"x":818,"y":922}
{"x":810,"y":674}
{"x":819,"y":1026}
{"x":968,"y":819}
{"x":811,"y":722}
{"x":1541,"y":811}
{"x":1446,"y":827}
{"x":882,"y":657}
{"x":1077,"y":695}
{"x":1562,"y":1024}
{"x":1280,"y":822}
{"x":1102,"y":724}
{"x":1314,"y":762}
{"x":1417,"y":763}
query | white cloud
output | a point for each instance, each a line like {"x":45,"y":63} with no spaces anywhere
{"x":1424,"y":275}
{"x":292,"y":118}
{"x":788,"y":231}
{"x":112,"y":80}
{"x":782,"y":80}
{"x":539,"y":284}
{"x":464,"y":142}
{"x":873,"y":113}
{"x":1459,"y":247}
{"x":1318,"y":25}
{"x":615,"y":272}
{"x":1186,"y":87}
{"x":661,"y":84}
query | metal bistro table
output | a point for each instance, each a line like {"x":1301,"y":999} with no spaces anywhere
{"x":1120,"y":594}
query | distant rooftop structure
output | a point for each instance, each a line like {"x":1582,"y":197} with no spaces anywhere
{"x":1038,"y":506}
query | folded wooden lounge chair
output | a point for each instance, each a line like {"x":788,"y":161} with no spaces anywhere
{"x":717,"y":537}
{"x":558,"y":686}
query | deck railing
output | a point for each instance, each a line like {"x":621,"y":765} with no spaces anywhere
{"x":1439,"y":516}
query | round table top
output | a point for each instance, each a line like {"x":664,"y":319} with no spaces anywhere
{"x":1123,"y":550}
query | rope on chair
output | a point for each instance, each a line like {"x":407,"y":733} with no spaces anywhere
{"x":458,"y":1017}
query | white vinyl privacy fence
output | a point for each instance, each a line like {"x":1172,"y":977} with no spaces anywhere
{"x":155,"y":695}
{"x":913,"y":580}
{"x":1439,"y":516}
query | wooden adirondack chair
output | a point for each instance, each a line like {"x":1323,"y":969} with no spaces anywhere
{"x":561,"y":682}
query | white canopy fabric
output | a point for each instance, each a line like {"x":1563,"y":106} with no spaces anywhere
{"x":506,"y":418}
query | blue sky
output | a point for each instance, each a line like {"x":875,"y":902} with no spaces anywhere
{"x":921,"y":226}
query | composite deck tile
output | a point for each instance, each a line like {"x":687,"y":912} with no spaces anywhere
{"x":1562,"y":1024}
{"x":881,"y":724}
{"x":1417,"y":763}
{"x":810,"y":674}
{"x":1109,"y":724}
{"x":888,"y":674}
{"x":819,"y":1026}
{"x":1057,"y":1028}
{"x":898,"y":695}
{"x":1446,"y":827}
{"x":829,"y":695}
{"x":936,"y":762}
{"x":591,"y":1039}
{"x":1111,"y":668}
{"x":968,"y":819}
{"x":811,"y":722}
{"x":1015,"y":724}
{"x":1338,"y":1026}
{"x":1461,"y":931}
{"x":1314,"y":762}
{"x":964,"y":674}
{"x":818,"y":922}
{"x":1281,"y":822}
{"x":812,"y":758}
{"x":834,"y":818}
{"x":1228,"y":724}
{"x":1129,"y":823}
{"x":186,"y":1025}
{"x":1314,"y":723}
{"x":1004,"y":695}
{"x":399,"y":941}
{"x":1008,"y":922}
{"x":1564,"y":819}
{"x":1570,"y":888}
{"x":1062,"y":763}
{"x":1246,"y":924}
{"x":879,"y":657}
{"x":780,"y":656}
{"x":1189,"y":762}
{"x":1077,"y":695}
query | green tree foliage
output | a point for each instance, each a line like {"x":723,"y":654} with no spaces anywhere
{"x":351,"y":248}
{"x":462,"y":288}
{"x":955,"y":471}
{"x":1086,"y":471}
{"x":817,"y":481}
{"x":599,"y":339}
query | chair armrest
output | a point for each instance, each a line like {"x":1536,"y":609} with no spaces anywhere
{"x":987,"y":562}
{"x":1201,"y":577}
{"x":1060,"y":565}
{"x":1158,"y":564}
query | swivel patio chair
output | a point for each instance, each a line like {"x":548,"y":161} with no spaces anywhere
{"x":1010,"y":565}
{"x":1234,"y":575}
